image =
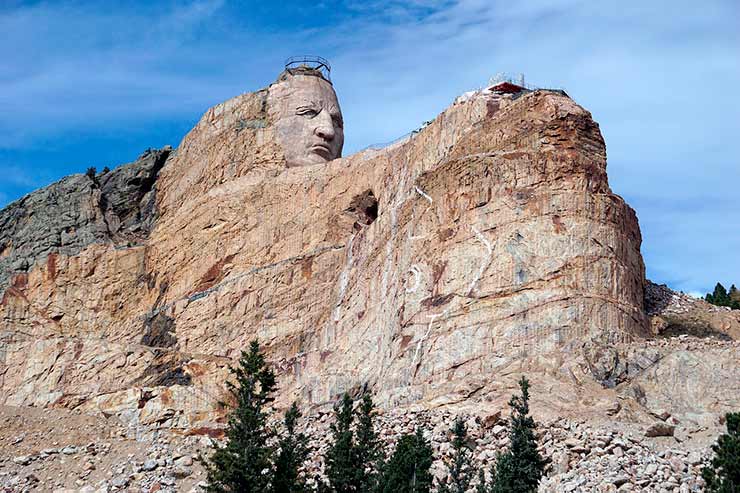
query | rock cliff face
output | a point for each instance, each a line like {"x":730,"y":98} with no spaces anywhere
{"x":65,"y":218}
{"x":433,"y":271}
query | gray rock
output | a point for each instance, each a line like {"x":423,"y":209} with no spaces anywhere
{"x":694,"y":458}
{"x":181,"y":472}
{"x":77,"y":211}
{"x":149,"y":465}
{"x":620,"y":480}
{"x":660,"y":430}
{"x":650,"y":470}
{"x":120,"y":482}
{"x":185,"y":460}
{"x":22,"y":460}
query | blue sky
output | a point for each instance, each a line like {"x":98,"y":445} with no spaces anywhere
{"x":94,"y":83}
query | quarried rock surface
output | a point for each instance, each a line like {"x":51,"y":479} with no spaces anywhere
{"x":434,"y":271}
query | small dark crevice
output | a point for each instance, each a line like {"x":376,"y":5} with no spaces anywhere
{"x":364,"y":209}
{"x":146,"y":396}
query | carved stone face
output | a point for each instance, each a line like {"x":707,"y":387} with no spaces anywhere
{"x":308,"y":119}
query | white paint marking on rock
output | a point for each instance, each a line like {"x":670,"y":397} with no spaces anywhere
{"x":486,"y":260}
{"x":432,"y":318}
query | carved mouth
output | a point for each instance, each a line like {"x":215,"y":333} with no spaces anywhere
{"x":322,"y":150}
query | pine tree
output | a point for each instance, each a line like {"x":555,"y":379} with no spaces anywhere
{"x":339,"y":458}
{"x":720,"y":294}
{"x":521,"y":467}
{"x":240,"y":465}
{"x":481,"y":487}
{"x":408,"y":468}
{"x":461,"y":469}
{"x":734,"y":296}
{"x":721,"y":297}
{"x":293,"y":453}
{"x":723,"y":473}
{"x":353,"y":458}
{"x":367,"y":447}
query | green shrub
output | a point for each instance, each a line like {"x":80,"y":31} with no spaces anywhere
{"x":722,"y":475}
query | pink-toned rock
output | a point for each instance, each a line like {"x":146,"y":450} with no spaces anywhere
{"x":435,"y":271}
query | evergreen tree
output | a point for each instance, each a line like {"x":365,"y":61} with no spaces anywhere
{"x":481,"y":487}
{"x":723,"y":473}
{"x":293,"y":453}
{"x":721,"y":297}
{"x":339,"y":457}
{"x":240,"y":465}
{"x":521,"y":467}
{"x":367,"y":447}
{"x":720,"y":294}
{"x":408,"y":469}
{"x":734,"y":296}
{"x":461,"y":469}
{"x":353,"y":458}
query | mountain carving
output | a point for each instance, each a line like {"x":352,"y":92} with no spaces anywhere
{"x":433,"y":271}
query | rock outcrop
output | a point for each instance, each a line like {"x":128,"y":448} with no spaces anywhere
{"x":434,"y":271}
{"x":117,"y":207}
{"x":673,"y":313}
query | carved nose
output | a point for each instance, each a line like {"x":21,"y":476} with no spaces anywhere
{"x":325,"y":129}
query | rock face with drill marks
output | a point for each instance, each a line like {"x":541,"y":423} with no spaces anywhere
{"x":432,"y":271}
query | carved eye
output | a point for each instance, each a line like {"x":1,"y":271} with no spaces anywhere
{"x":305,"y":111}
{"x":337,"y":119}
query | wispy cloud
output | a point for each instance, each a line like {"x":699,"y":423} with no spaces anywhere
{"x":656,"y":75}
{"x":83,"y":65}
{"x":19,"y":177}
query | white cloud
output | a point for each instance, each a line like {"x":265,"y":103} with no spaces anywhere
{"x":656,"y":75}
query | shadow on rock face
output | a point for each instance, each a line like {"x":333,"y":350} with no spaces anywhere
{"x":159,"y":331}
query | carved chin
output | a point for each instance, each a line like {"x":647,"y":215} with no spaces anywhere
{"x":309,"y":158}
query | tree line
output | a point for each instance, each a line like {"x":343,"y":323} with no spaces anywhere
{"x":722,"y":297}
{"x":256,"y":457}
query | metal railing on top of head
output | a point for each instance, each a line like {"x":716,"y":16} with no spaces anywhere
{"x":312,"y":62}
